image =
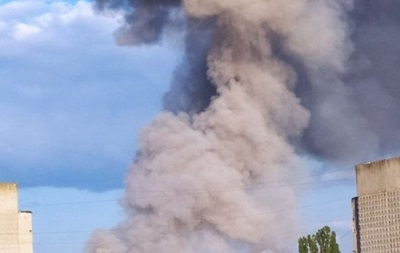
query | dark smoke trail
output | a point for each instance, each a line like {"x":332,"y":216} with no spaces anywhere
{"x":253,"y":72}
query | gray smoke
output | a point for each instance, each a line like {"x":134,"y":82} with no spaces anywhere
{"x":261,"y":81}
{"x":356,"y":119}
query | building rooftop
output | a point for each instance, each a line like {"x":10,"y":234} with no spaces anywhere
{"x":383,"y":175}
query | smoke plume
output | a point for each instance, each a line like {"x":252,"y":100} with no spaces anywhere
{"x":261,"y":82}
{"x":355,"y":119}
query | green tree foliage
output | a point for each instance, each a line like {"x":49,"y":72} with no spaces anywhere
{"x":324,"y":241}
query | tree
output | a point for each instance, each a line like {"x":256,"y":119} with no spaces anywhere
{"x":324,"y":241}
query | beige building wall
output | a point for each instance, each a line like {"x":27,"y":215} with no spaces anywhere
{"x":378,"y":176}
{"x":15,"y":226}
{"x":8,"y":198}
{"x":25,"y":232}
{"x":376,"y":210}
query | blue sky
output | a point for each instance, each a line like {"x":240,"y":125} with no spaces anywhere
{"x":73,"y":101}
{"x":72,"y":104}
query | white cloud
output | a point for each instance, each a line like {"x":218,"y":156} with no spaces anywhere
{"x":19,"y":10}
{"x":54,"y":19}
{"x":3,"y":25}
{"x":81,"y":11}
{"x":24,"y":31}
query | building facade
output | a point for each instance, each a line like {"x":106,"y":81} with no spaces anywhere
{"x":15,"y":226}
{"x":376,"y":209}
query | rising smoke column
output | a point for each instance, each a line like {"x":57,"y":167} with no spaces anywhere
{"x":216,"y":172}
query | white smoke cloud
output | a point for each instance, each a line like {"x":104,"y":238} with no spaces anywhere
{"x":191,"y":187}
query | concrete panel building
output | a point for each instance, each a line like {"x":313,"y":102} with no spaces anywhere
{"x":15,"y":226}
{"x":376,"y":209}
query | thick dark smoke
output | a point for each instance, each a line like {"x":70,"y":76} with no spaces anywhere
{"x":145,"y":20}
{"x":191,"y":90}
{"x":357,"y":119}
{"x":354,"y":115}
{"x":146,"y":23}
{"x":261,"y":82}
{"x":375,"y":77}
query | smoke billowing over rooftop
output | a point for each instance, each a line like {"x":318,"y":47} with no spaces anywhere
{"x":261,"y":82}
